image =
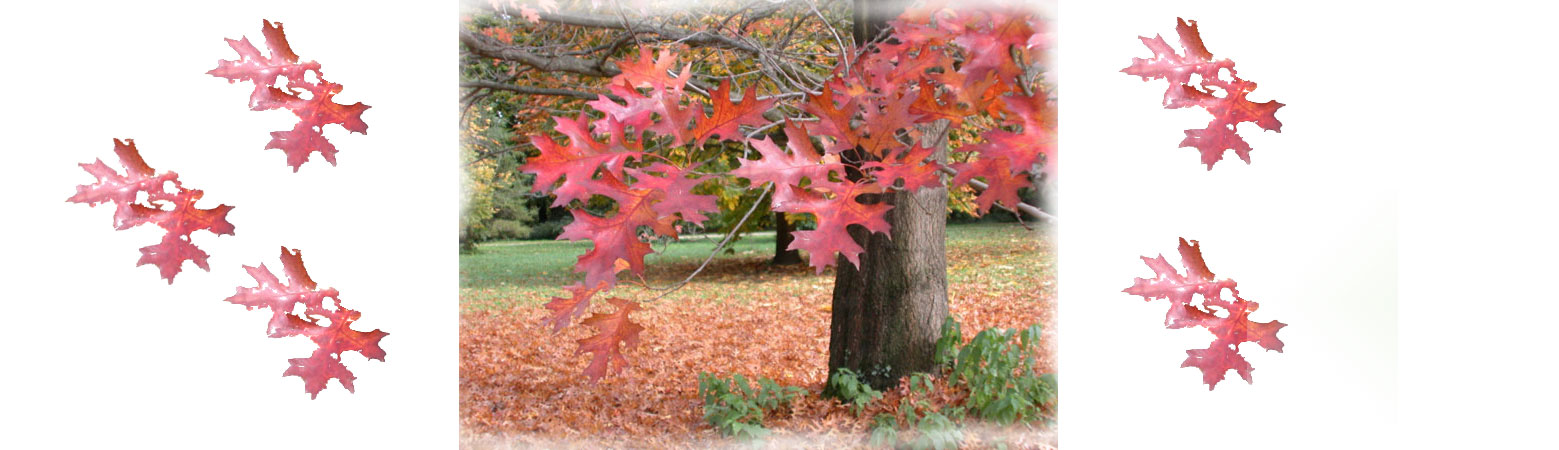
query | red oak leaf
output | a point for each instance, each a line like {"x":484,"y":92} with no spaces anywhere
{"x":328,"y":326}
{"x":1227,"y":113}
{"x":314,"y":112}
{"x":931,"y":106}
{"x":168,"y":204}
{"x":836,"y":207}
{"x":884,"y":116}
{"x":1228,"y":110}
{"x":1021,"y":150}
{"x":564,"y":310}
{"x":727,"y":116}
{"x":989,"y":38}
{"x":1180,"y":290}
{"x":1215,"y":361}
{"x":833,"y":122}
{"x":122,"y":189}
{"x":263,"y":71}
{"x":914,"y":25}
{"x":654,"y":73}
{"x":675,"y":191}
{"x":615,"y":331}
{"x":916,"y":171}
{"x":664,"y":96}
{"x":1001,"y":179}
{"x":576,"y":163}
{"x":1032,"y":112}
{"x":530,"y":14}
{"x":905,"y":63}
{"x":615,"y":237}
{"x":636,"y":111}
{"x":1228,"y":331}
{"x":774,"y":165}
{"x":183,"y":220}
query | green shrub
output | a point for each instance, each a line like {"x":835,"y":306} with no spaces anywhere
{"x":885,"y":430}
{"x":1003,"y":385}
{"x":947,"y":345}
{"x":846,"y":385}
{"x":736,"y":409}
{"x":997,"y":370}
{"x":936,"y":432}
{"x":548,"y":230}
{"x":508,"y":229}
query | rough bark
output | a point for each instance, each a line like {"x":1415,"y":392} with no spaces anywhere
{"x":887,"y":314}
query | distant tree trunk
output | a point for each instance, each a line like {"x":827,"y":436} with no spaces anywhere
{"x":887,"y":315}
{"x":783,"y":256}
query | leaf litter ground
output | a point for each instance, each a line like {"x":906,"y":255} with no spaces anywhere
{"x":520,"y":385}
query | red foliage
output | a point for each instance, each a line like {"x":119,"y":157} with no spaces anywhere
{"x":836,"y":206}
{"x":172,"y":209}
{"x":615,"y":333}
{"x":564,"y":310}
{"x":728,"y":116}
{"x":328,"y":325}
{"x":616,"y":237}
{"x":944,"y":65}
{"x":314,"y":110}
{"x":1228,"y":331}
{"x":1228,"y":110}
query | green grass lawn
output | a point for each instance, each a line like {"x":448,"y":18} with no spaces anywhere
{"x":506,"y":273}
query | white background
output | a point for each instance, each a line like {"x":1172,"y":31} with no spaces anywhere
{"x":100,"y":353}
{"x":1427,"y":326}
{"x":1410,"y":133}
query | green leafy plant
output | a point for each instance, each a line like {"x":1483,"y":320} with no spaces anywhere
{"x":847,"y":386}
{"x":936,"y":432}
{"x":1003,"y":385}
{"x":947,"y":345}
{"x":885,"y":430}
{"x":933,"y":429}
{"x":736,"y":409}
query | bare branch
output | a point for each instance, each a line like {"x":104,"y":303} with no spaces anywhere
{"x":532,"y":90}
{"x":728,"y":236}
{"x":664,"y":33}
{"x":487,"y":47}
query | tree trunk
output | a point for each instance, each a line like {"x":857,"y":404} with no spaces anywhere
{"x":783,"y":256}
{"x":887,"y":315}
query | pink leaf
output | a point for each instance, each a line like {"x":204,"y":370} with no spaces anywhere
{"x":328,"y":325}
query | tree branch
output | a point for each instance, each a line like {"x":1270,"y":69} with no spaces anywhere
{"x":487,"y":47}
{"x":664,"y":33}
{"x":532,"y":90}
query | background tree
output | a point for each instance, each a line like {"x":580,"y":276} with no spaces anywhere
{"x":884,"y":111}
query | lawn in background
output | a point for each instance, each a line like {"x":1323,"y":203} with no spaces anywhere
{"x":515,"y":273}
